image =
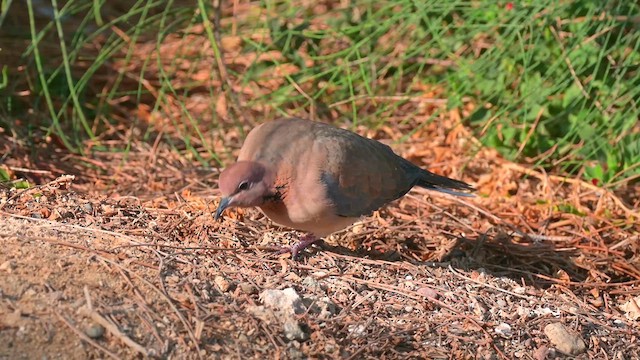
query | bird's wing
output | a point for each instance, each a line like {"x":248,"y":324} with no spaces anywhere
{"x":360,"y":174}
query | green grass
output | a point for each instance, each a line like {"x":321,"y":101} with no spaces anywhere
{"x":555,"y":84}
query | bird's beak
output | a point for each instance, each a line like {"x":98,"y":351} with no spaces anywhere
{"x":224,"y":203}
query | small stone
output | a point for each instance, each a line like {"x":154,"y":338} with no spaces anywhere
{"x":597,"y":302}
{"x":293,"y":330}
{"x":248,"y":289}
{"x":319,"y":274}
{"x":329,"y":348}
{"x":222,"y":283}
{"x":288,"y":301}
{"x":357,"y":228}
{"x":563,"y":340}
{"x":8,"y":266}
{"x":267,"y":238}
{"x":294,"y":351}
{"x":325,"y":308}
{"x":310,"y":282}
{"x":262,"y":313}
{"x":427,"y":292}
{"x":519,"y":290}
{"x":551,"y":353}
{"x":56,"y":296}
{"x":88,"y":208}
{"x":94,"y":331}
{"x":293,"y":277}
{"x":541,"y":353}
{"x":172,"y":279}
{"x":503,"y":330}
{"x":29,"y":293}
{"x":478,"y":308}
{"x":523,"y":312}
{"x":45,"y":213}
{"x":358,"y":330}
{"x":632,"y":308}
{"x":285,"y":304}
{"x":13,"y":319}
{"x":243,"y":339}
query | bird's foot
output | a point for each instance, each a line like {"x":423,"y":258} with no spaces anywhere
{"x":302,"y":244}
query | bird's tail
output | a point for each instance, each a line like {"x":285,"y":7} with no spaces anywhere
{"x":444,"y":184}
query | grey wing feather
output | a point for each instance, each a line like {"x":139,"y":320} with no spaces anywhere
{"x":362,"y":174}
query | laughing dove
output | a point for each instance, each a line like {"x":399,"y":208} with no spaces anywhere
{"x":317,"y":178}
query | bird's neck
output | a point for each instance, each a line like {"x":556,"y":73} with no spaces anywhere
{"x":277,"y":186}
{"x":276,"y":194}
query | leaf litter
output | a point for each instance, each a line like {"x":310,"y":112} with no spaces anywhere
{"x":428,"y":276}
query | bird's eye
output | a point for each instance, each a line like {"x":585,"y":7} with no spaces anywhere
{"x":243,"y":186}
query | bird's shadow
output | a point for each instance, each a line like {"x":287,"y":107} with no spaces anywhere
{"x":538,"y":264}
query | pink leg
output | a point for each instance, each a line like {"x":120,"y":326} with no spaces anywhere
{"x":304,"y":242}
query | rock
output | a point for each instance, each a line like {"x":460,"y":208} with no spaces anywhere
{"x":248,"y":289}
{"x":293,"y":277}
{"x":631,"y":308}
{"x":563,"y":340}
{"x":283,"y":305}
{"x":311,"y":283}
{"x":294,"y":351}
{"x":320,"y":274}
{"x":222,"y":283}
{"x":357,"y":228}
{"x":243,"y":339}
{"x":324,"y":307}
{"x":94,"y":331}
{"x":88,"y":208}
{"x":478,"y":307}
{"x":262,"y":313}
{"x":503,"y":330}
{"x":540,"y":353}
{"x":8,"y":266}
{"x":428,"y":292}
{"x":287,"y":301}
{"x":293,"y":330}
{"x":13,"y":319}
{"x":29,"y":293}
{"x":358,"y":330}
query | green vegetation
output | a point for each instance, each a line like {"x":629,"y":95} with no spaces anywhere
{"x":553,"y":83}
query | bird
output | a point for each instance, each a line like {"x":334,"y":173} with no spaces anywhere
{"x":317,"y":178}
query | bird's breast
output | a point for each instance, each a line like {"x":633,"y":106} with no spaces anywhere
{"x":317,"y":218}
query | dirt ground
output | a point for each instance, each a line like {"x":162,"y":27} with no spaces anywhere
{"x":128,"y":263}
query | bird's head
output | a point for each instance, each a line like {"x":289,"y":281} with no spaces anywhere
{"x":243,"y":184}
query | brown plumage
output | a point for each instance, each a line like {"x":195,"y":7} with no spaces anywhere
{"x":317,"y":178}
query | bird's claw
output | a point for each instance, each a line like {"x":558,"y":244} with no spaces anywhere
{"x":296,"y":248}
